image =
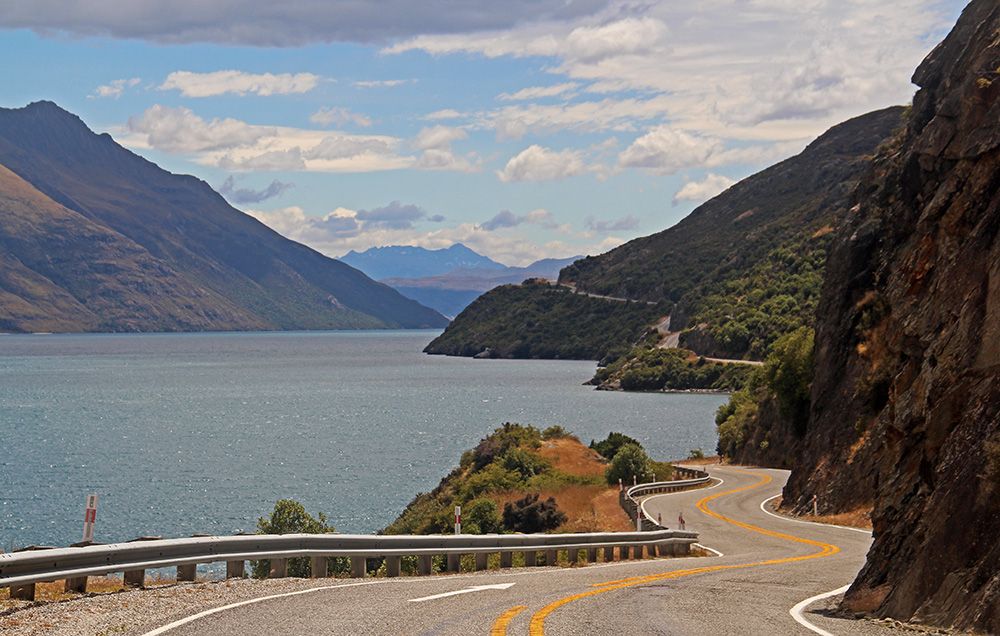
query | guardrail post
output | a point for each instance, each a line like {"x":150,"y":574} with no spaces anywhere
{"x":591,"y":555}
{"x":392,"y":564}
{"x":506,"y":559}
{"x":134,"y":578}
{"x":358,"y":567}
{"x":682,"y":549}
{"x":425,"y":564}
{"x":235,"y":569}
{"x":482,"y":561}
{"x":551,"y":557}
{"x":317,"y":567}
{"x":23,"y":592}
{"x":637,"y":552}
{"x":609,"y":554}
{"x":77,"y":584}
{"x":187,"y":572}
{"x":651,"y":550}
{"x":573,"y":555}
{"x":454,"y":562}
{"x":279,"y":569}
{"x":530,"y":558}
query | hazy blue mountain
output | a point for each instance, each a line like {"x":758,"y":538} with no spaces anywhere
{"x":407,"y":261}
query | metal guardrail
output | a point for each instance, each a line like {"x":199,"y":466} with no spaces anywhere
{"x":21,"y":570}
{"x":627,"y":498}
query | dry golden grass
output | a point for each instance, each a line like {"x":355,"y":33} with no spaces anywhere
{"x":570,"y":456}
{"x":823,"y":231}
{"x":55,"y":590}
{"x":858,"y":518}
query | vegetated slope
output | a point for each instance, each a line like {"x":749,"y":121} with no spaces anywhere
{"x":746,"y":266}
{"x":248,"y":276}
{"x":905,"y":398}
{"x":740,"y":271}
{"x":63,"y":272}
{"x":538,"y":320}
{"x":453,"y":291}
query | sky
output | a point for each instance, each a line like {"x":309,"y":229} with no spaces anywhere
{"x":524,"y":129}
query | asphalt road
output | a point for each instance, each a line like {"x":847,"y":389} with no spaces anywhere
{"x":769,"y":564}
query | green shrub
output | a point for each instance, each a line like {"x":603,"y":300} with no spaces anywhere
{"x":789,"y":371}
{"x":609,"y":447}
{"x":555,"y":432}
{"x":629,"y":462}
{"x":289,"y":516}
{"x":523,"y":462}
{"x":696,"y":453}
{"x":529,"y":515}
{"x":481,"y":516}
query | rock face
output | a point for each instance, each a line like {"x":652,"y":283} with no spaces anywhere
{"x":906,"y":394}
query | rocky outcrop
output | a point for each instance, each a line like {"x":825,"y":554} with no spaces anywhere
{"x":906,"y":394}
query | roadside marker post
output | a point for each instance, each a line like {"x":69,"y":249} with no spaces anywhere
{"x":89,"y":517}
{"x":458,"y":519}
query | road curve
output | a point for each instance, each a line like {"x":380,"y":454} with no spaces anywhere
{"x":769,"y":565}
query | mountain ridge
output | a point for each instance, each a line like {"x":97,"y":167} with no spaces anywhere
{"x":237,"y":262}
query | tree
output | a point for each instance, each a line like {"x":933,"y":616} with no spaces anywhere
{"x":289,"y":516}
{"x":629,"y":462}
{"x":610,"y":446}
{"x":530,"y":515}
{"x":789,"y":371}
{"x":481,"y":516}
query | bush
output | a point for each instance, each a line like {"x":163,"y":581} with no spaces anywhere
{"x":524,"y":463}
{"x":789,"y":371}
{"x":508,"y":436}
{"x":696,"y":453}
{"x":555,"y":432}
{"x":629,"y":462}
{"x":610,"y":446}
{"x":529,"y":515}
{"x":289,"y":516}
{"x":481,"y":516}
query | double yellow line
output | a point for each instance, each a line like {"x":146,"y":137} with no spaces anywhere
{"x":537,"y":625}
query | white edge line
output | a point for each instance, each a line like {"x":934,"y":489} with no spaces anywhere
{"x":406,"y":580}
{"x":796,"y":611}
{"x":763,"y":507}
{"x":712,"y":550}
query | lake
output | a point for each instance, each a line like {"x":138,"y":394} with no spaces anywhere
{"x":201,"y":433}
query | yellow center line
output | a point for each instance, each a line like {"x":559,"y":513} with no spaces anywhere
{"x":537,"y":625}
{"x":500,"y":626}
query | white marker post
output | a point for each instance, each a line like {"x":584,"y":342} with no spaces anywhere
{"x":89,"y":517}
{"x":458,"y":519}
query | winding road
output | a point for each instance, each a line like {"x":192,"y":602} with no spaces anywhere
{"x":768,"y":565}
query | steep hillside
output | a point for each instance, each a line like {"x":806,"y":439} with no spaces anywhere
{"x":63,"y":272}
{"x":905,"y":398}
{"x":740,"y":271}
{"x":539,"y":320}
{"x":236,"y":273}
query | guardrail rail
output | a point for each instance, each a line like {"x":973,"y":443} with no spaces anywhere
{"x":627,"y":497}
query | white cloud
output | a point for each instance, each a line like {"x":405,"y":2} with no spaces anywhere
{"x":180,"y":130}
{"x":114,"y":88}
{"x":536,"y":163}
{"x":506,"y":219}
{"x":664,"y":150}
{"x":235,"y":145}
{"x":383,"y":83}
{"x":699,"y":191}
{"x":443,"y":114}
{"x":333,"y":116}
{"x":627,"y":222}
{"x":438,"y":137}
{"x":538,"y":92}
{"x":629,"y":36}
{"x":192,"y":84}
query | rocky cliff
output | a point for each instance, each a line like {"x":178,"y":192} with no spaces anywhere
{"x":905,"y":407}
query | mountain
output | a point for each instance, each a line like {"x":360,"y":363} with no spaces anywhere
{"x":902,"y":405}
{"x":407,"y":261}
{"x":446,"y":279}
{"x":97,"y":238}
{"x":737,"y":273}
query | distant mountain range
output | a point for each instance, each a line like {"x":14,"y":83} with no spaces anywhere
{"x":446,"y":279}
{"x":95,"y":238}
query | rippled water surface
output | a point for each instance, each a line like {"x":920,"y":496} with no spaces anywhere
{"x":188,"y":433}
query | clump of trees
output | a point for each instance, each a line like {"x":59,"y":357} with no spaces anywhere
{"x":647,"y":368}
{"x":530,"y":514}
{"x":290,"y":516}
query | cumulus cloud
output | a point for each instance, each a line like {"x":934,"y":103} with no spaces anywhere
{"x":438,"y":137}
{"x":434,"y":142}
{"x":192,"y":84}
{"x":180,"y":130}
{"x":703,"y":190}
{"x":396,"y":216}
{"x":332,"y":116}
{"x":536,"y":163}
{"x":538,"y":92}
{"x":506,"y":218}
{"x":665,"y":150}
{"x":627,"y":222}
{"x":114,"y":88}
{"x":247,"y":195}
{"x":443,"y":114}
{"x":289,"y":23}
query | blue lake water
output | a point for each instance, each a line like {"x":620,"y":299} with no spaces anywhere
{"x":192,"y":433}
